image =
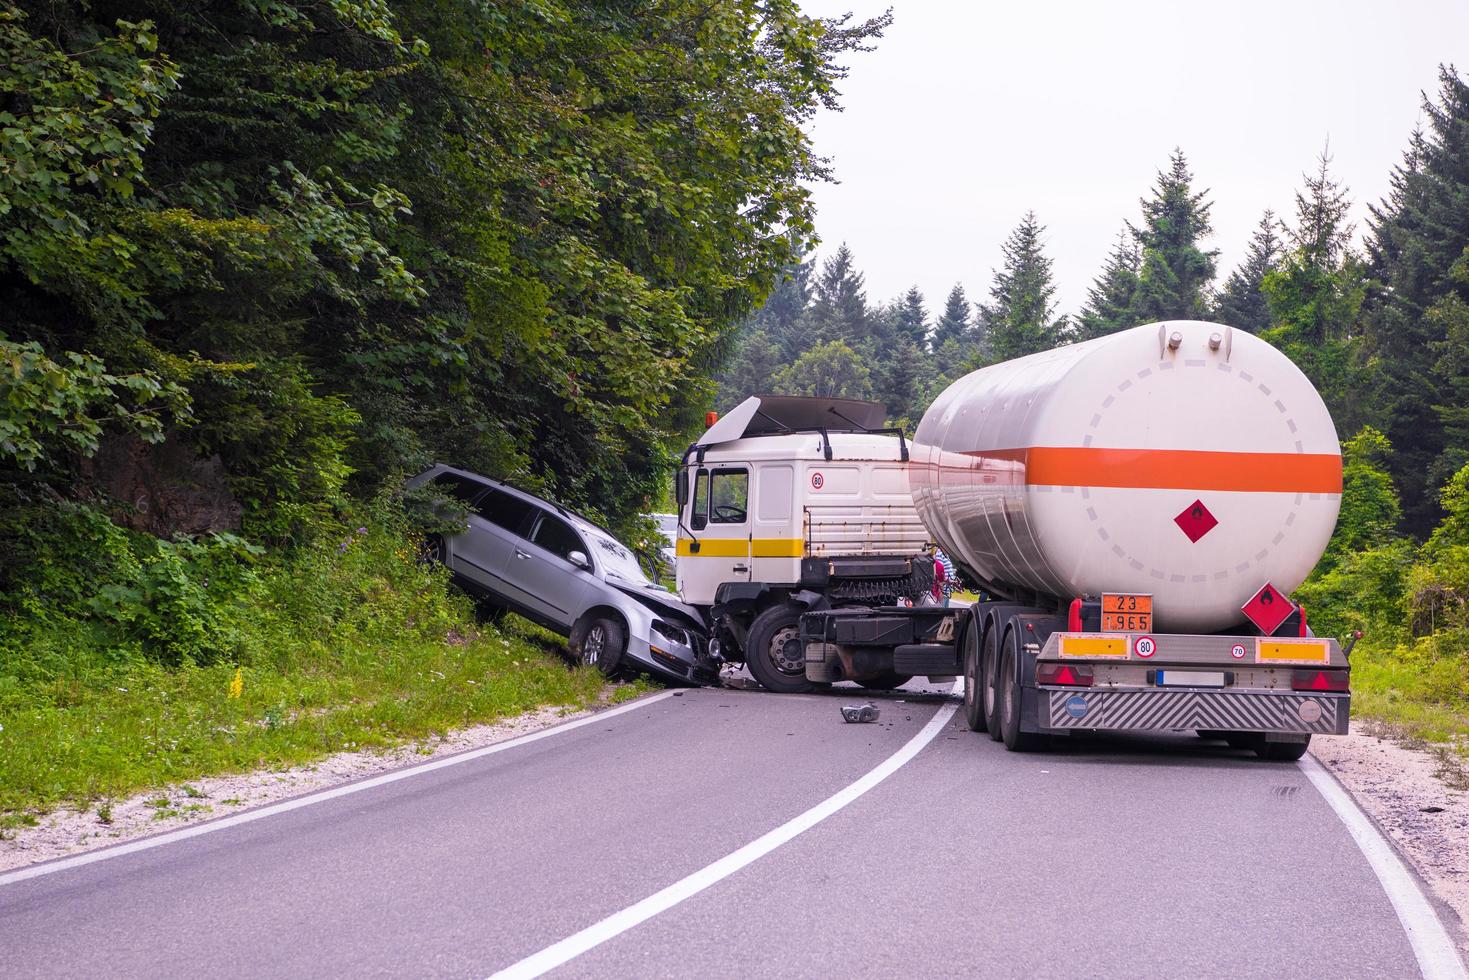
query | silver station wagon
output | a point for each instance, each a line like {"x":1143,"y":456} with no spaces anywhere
{"x":558,"y":569}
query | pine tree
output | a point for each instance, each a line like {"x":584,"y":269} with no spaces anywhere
{"x":1241,"y":303}
{"x":840,"y":310}
{"x":903,"y":380}
{"x":911,"y":320}
{"x":1020,"y":319}
{"x":756,"y":362}
{"x":1417,"y":235}
{"x":785,"y":314}
{"x":1175,"y":276}
{"x":1109,"y":301}
{"x":955,"y":322}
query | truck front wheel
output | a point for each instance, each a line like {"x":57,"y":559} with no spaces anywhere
{"x":774,"y":653}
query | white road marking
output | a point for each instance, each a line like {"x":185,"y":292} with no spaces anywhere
{"x":250,"y":816}
{"x":1437,"y":957}
{"x":619,"y":922}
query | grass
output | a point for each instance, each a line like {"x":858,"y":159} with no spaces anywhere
{"x":348,"y":648}
{"x":1419,"y":689}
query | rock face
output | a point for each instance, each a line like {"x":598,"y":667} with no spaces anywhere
{"x":163,"y":489}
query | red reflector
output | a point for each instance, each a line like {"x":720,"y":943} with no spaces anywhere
{"x":1063,"y":675}
{"x":1319,"y":680}
{"x":1073,"y":618}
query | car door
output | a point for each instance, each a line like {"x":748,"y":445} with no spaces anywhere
{"x":497,"y":522}
{"x":540,"y":568}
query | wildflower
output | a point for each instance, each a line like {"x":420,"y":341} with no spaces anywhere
{"x":237,"y":683}
{"x":362,"y":530}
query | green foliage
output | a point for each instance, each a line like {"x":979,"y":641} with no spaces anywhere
{"x":1418,"y":236}
{"x":1241,"y":303}
{"x":1175,"y":273}
{"x":1021,"y":317}
{"x":1369,"y":508}
{"x":50,"y":408}
{"x":828,"y":370}
{"x":1109,"y":300}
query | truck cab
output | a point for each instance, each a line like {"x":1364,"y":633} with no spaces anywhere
{"x":789,"y":505}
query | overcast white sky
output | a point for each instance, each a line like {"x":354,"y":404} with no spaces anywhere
{"x":970,"y":113}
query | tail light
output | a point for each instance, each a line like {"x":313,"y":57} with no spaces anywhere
{"x":1320,"y":680}
{"x":1073,"y":617}
{"x":1063,"y":675}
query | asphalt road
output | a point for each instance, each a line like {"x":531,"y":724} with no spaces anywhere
{"x":1116,"y":858}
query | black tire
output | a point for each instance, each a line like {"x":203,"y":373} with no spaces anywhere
{"x":432,"y":550}
{"x":773,"y":650}
{"x":886,"y":682}
{"x":990,"y":687}
{"x":1240,"y":740}
{"x":973,"y":678}
{"x":602,"y":645}
{"x":1281,"y":751}
{"x":1009,"y":682}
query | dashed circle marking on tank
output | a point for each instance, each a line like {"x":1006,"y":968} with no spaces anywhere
{"x":1158,"y":573}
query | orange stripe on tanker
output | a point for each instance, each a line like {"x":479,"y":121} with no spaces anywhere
{"x":1171,"y":469}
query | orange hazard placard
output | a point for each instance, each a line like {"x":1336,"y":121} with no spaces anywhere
{"x":1126,"y":613}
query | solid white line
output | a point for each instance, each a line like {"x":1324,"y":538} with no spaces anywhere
{"x":1437,"y":957}
{"x":172,"y":837}
{"x":617,"y":923}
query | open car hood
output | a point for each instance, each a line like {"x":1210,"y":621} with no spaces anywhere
{"x":661,"y":602}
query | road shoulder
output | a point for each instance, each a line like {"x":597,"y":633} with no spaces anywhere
{"x":67,"y":832}
{"x":1418,"y":800}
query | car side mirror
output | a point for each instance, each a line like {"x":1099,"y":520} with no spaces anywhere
{"x":579,"y":559}
{"x":681,"y":488}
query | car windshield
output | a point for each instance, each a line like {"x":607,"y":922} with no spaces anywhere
{"x":616,"y":559}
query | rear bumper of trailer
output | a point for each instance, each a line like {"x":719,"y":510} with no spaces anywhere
{"x":1154,"y":710}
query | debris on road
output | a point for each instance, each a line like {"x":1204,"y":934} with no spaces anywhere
{"x":854,"y":713}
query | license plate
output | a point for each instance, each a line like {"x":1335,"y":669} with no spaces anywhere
{"x":1189,"y":678}
{"x":1126,"y":613}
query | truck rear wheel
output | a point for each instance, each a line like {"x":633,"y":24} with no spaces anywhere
{"x":973,"y":679}
{"x":989,"y":669}
{"x":773,"y":650}
{"x":1280,"y":751}
{"x":1009,"y":682}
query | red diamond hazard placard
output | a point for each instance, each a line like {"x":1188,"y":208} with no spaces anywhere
{"x":1267,"y":609}
{"x":1196,"y":521}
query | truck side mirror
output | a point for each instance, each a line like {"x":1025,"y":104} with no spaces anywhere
{"x":681,"y":488}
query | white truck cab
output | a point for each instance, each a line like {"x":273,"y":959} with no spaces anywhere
{"x":788,"y":505}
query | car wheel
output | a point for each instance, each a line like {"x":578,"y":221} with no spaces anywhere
{"x":989,"y":670}
{"x":432,"y":549}
{"x":1009,"y":684}
{"x":973,"y":679}
{"x":886,"y":682}
{"x":774,"y":653}
{"x":1280,"y":751}
{"x":602,"y":646}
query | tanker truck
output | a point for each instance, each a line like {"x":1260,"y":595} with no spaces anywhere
{"x":1135,"y":510}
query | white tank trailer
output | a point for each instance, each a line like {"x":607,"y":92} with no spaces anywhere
{"x":1137,"y":510}
{"x":1187,"y":460}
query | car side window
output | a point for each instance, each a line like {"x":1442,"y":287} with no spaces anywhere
{"x":699,"y":516}
{"x":729,"y":495}
{"x":460,"y":487}
{"x":557,"y":537}
{"x":505,"y":510}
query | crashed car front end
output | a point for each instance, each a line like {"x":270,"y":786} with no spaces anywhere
{"x":666,"y":642}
